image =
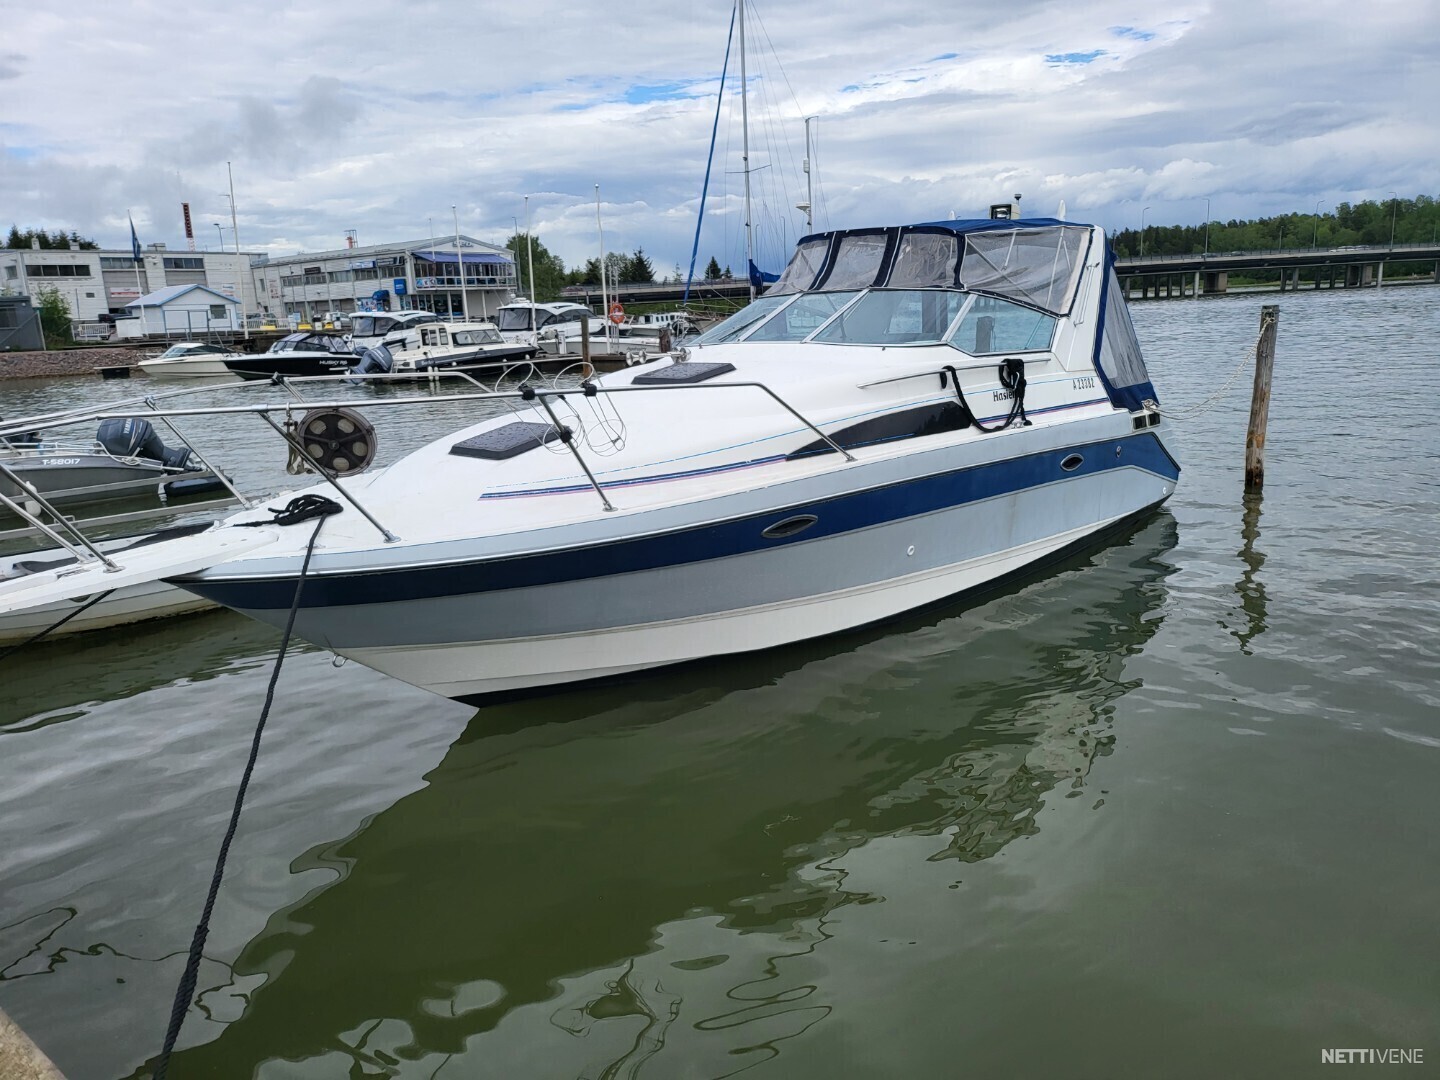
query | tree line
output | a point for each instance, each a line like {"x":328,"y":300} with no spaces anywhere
{"x":1409,"y":221}
{"x":60,"y":241}
{"x":551,"y":275}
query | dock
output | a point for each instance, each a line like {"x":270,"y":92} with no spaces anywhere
{"x":21,"y":1059}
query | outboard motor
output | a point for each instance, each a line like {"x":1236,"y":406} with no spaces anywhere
{"x":133,"y":437}
{"x":374,"y":361}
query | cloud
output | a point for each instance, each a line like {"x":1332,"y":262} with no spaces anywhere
{"x":381,"y":119}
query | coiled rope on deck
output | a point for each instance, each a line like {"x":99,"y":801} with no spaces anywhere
{"x":300,"y":508}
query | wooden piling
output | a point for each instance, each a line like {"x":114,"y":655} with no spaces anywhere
{"x":1260,"y":398}
{"x":585,"y":341}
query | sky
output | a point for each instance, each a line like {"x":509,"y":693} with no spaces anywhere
{"x":380,"y":117}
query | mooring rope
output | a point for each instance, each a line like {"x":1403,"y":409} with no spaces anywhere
{"x":1206,"y":405}
{"x":301,"y":508}
{"x":57,"y":624}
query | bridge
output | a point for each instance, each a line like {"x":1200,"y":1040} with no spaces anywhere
{"x":1159,"y":276}
{"x":1206,"y":274}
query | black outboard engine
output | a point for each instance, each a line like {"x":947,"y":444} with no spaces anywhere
{"x":132,"y":437}
{"x":374,"y":361}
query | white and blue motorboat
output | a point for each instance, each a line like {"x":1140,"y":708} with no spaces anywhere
{"x":907,"y":414}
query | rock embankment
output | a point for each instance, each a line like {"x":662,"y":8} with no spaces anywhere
{"x":34,"y":365}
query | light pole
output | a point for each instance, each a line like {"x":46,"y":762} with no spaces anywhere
{"x":1394,"y":203}
{"x":1207,"y":230}
{"x":220,"y":234}
{"x":1315,"y":243}
{"x":1142,"y":231}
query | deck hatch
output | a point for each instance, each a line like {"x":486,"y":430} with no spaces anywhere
{"x":506,"y":442}
{"x":682,"y":374}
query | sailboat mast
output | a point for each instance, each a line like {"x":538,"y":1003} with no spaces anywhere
{"x":745,"y":151}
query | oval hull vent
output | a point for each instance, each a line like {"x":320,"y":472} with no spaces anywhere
{"x":791,"y":526}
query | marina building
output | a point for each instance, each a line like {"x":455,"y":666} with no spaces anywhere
{"x":427,"y":275}
{"x":95,"y":283}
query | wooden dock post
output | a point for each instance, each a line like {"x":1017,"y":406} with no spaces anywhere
{"x":1260,"y":398}
{"x":585,"y":342}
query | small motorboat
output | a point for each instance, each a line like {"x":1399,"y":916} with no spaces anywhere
{"x":152,"y":599}
{"x":443,"y":346}
{"x":296,"y":356}
{"x":189,"y":360}
{"x":127,"y":458}
{"x":556,"y":329}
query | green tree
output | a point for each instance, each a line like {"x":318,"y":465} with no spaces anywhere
{"x":61,"y":241}
{"x":54,"y":316}
{"x":550,"y":276}
{"x":589,"y":274}
{"x":638,"y":269}
{"x":712,"y":269}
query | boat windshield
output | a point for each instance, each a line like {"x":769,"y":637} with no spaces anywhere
{"x":896,"y":317}
{"x":480,"y":336}
{"x":799,"y":320}
{"x":992,"y":325}
{"x":517,"y":318}
{"x":742,"y":320}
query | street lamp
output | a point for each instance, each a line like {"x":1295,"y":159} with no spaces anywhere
{"x":1207,"y":230}
{"x":1394,"y":203}
{"x":1142,"y":231}
{"x":1315,"y":243}
{"x":219,"y":234}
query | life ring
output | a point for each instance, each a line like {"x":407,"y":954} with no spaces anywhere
{"x":617,"y":312}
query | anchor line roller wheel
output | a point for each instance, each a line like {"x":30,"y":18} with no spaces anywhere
{"x":341,"y":440}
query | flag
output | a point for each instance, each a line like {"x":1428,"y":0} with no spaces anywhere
{"x":134,"y":240}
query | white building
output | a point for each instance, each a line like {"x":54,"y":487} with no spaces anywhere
{"x":95,"y":283}
{"x":189,"y":311}
{"x":421,"y":274}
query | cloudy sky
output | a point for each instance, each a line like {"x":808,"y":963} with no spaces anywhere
{"x":380,"y":116}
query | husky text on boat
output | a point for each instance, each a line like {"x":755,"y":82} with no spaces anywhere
{"x":909,"y":413}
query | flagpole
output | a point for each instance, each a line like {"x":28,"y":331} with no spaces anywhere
{"x":139,"y":288}
{"x":460,"y":261}
{"x":242,"y":270}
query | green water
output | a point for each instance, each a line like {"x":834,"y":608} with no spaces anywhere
{"x":1167,"y":810}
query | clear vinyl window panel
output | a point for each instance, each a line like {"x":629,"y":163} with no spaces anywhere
{"x":896,"y":317}
{"x":857,"y":262}
{"x":992,"y":325}
{"x":804,"y":265}
{"x":1120,"y":358}
{"x":924,"y":260}
{"x":1040,"y":267}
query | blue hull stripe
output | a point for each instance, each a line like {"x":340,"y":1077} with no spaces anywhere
{"x":836,"y":515}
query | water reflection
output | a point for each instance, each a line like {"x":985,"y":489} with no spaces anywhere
{"x":50,"y":681}
{"x":1250,"y":587}
{"x":646,"y":870}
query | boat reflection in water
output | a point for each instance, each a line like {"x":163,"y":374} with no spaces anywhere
{"x":663,"y":874}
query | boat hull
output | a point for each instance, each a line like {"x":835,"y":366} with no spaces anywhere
{"x":501,"y":626}
{"x":266,"y":366}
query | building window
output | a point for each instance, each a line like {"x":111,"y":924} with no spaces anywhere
{"x":113,"y":262}
{"x":59,"y":270}
{"x":11,"y":272}
{"x":175,"y":262}
{"x":217,"y":311}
